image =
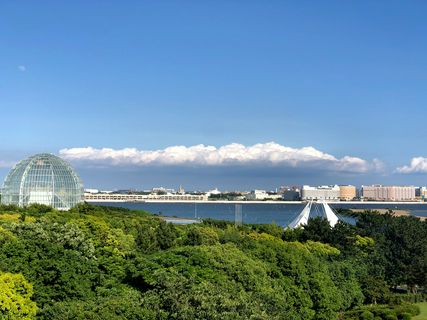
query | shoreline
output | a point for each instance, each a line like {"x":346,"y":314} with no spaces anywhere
{"x":178,"y":220}
{"x":396,"y":212}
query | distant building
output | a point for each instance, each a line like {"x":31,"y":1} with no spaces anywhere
{"x":347,"y":193}
{"x":274,"y":196}
{"x":421,"y":193}
{"x":214,"y":192}
{"x":320,"y":193}
{"x":388,"y":193}
{"x":263,"y":195}
{"x":91,"y":191}
{"x":257,"y":195}
{"x":181,"y":190}
{"x":290,"y":193}
{"x":162,"y":190}
{"x":113,"y":197}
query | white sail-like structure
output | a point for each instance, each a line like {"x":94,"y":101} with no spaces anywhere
{"x":302,"y":218}
{"x":330,"y":215}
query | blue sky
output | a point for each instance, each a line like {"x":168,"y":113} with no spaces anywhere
{"x":346,"y":78}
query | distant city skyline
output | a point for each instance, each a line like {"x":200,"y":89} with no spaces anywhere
{"x":217,"y":94}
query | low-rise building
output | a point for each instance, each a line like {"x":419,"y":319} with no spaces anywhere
{"x":162,"y":190}
{"x":257,"y":195}
{"x":91,"y":191}
{"x":104,"y":197}
{"x":213,"y":192}
{"x":290,"y":193}
{"x":262,"y":195}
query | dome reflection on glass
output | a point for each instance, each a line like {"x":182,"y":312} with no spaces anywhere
{"x":44,"y":179}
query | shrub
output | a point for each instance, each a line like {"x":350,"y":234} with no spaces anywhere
{"x":412,"y":309}
{"x":366,"y":315}
{"x":15,"y":297}
{"x":390,"y":316}
{"x":405,"y":316}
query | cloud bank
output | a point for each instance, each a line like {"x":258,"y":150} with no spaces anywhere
{"x":270,"y":154}
{"x":417,"y":165}
{"x":6,"y":164}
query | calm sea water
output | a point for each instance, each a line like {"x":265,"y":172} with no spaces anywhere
{"x":281,"y":214}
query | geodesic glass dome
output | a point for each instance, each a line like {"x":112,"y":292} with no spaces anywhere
{"x":44,"y":179}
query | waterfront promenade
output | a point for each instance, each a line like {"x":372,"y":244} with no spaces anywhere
{"x":258,"y":202}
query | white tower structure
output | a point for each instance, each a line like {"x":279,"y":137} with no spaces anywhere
{"x":302,"y":218}
{"x":330,"y":214}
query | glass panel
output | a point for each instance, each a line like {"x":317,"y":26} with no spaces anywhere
{"x":44,"y":179}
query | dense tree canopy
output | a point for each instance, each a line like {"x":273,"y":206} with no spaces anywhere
{"x":111,"y":263}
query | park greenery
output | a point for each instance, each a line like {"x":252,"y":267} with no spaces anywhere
{"x":95,"y":262}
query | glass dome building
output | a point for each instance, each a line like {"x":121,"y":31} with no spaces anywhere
{"x":44,"y":179}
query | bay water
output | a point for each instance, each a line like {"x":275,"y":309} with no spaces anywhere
{"x":280,"y":214}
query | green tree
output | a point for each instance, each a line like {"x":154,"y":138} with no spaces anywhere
{"x":197,"y":235}
{"x":15,"y":297}
{"x":403,"y":243}
{"x":166,"y":235}
{"x":317,"y":229}
{"x":59,"y":267}
{"x":215,"y":282}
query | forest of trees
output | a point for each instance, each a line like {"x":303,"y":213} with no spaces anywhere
{"x":110,"y":263}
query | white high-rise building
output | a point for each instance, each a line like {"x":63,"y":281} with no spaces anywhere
{"x":347,"y":193}
{"x":320,"y":193}
{"x":388,"y":193}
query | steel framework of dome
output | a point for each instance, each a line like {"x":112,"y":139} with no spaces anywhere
{"x":44,"y":179}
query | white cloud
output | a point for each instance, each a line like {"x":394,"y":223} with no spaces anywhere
{"x":22,"y":68}
{"x":7,"y":164}
{"x":269,"y":153}
{"x":418,"y":165}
